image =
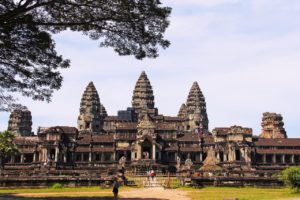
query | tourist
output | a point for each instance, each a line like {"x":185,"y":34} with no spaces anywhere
{"x":115,"y":189}
{"x":152,"y":174}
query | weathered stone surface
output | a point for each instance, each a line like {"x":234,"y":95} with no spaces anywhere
{"x":194,"y":111}
{"x":20,"y":122}
{"x":272,"y":126}
{"x":182,"y":112}
{"x":211,"y":162}
{"x":143,"y":94}
{"x":91,"y":111}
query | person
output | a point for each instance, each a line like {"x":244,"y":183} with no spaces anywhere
{"x":152,"y":174}
{"x":115,"y":189}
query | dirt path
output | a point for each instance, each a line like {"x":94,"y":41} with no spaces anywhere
{"x":155,"y":193}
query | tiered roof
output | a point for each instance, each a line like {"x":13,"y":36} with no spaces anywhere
{"x":143,"y":94}
{"x":272,"y":126}
{"x":91,"y":110}
{"x":20,"y":122}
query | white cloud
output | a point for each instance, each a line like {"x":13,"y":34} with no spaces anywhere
{"x":207,"y":3}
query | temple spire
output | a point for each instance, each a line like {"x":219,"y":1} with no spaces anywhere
{"x":143,"y":94}
{"x":196,"y":108}
{"x":90,"y":117}
{"x":182,"y":112}
{"x":272,"y":126}
{"x":20,"y":122}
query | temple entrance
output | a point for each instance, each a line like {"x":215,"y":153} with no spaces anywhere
{"x":146,"y":149}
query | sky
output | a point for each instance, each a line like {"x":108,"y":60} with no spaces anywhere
{"x":245,"y":55}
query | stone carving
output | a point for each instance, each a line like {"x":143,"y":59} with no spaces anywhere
{"x":146,"y":123}
{"x":143,"y":93}
{"x":20,"y":122}
{"x":272,"y":126}
{"x":188,"y":164}
{"x":91,"y":111}
{"x":122,"y":161}
{"x":211,"y":162}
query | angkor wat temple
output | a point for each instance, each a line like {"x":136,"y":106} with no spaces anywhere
{"x":147,"y":139}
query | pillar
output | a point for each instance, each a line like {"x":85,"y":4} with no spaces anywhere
{"x":139,"y":152}
{"x":153,"y":152}
{"x":34,"y":157}
{"x":218,"y":155}
{"x":56,"y":154}
{"x":90,"y":156}
{"x":264,"y":158}
{"x":274,"y":158}
{"x":12,"y":159}
{"x":201,"y":157}
{"x":283,"y":159}
{"x":22,"y":158}
{"x":293,"y":159}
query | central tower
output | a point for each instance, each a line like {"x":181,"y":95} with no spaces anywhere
{"x":143,"y":98}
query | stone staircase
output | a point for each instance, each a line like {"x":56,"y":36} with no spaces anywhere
{"x":149,"y":182}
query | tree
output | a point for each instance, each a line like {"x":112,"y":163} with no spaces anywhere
{"x":291,"y":177}
{"x":7,"y":146}
{"x":29,"y":63}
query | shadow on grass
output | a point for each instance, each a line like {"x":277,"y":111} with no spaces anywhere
{"x":13,"y":197}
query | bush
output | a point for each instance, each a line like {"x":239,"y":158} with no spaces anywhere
{"x":291,"y":177}
{"x":57,"y":186}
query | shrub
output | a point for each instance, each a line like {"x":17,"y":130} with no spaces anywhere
{"x":291,"y":177}
{"x":57,"y":186}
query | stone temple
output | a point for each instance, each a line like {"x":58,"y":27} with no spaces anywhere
{"x":147,"y":139}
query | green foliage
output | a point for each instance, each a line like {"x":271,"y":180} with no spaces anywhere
{"x":7,"y":146}
{"x":291,"y":177}
{"x":57,"y":186}
{"x":29,"y":63}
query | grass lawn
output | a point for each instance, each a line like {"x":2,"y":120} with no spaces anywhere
{"x":80,"y":193}
{"x":220,"y":193}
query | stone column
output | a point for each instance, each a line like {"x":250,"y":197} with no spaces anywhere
{"x":264,"y":158}
{"x":274,"y":158}
{"x":201,"y":157}
{"x":218,"y":156}
{"x":283,"y":159}
{"x":22,"y":158}
{"x":34,"y":157}
{"x":90,"y":156}
{"x":65,"y":157}
{"x":56,"y":154}
{"x":139,"y":152}
{"x":293,"y":159}
{"x":153,"y":152}
{"x":12,"y":159}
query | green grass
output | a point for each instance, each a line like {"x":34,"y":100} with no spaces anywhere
{"x":220,"y":193}
{"x":62,"y":190}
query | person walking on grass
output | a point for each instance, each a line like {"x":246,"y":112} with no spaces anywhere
{"x":115,"y":189}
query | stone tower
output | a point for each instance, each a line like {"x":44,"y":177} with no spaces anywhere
{"x":195,"y":110}
{"x":103,"y":112}
{"x":92,"y":112}
{"x":272,"y":126}
{"x":143,"y":98}
{"x":182,"y":112}
{"x":20,"y":122}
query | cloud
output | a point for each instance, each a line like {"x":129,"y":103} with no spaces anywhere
{"x":206,"y":3}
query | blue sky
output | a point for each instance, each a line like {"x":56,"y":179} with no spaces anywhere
{"x":245,"y":55}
